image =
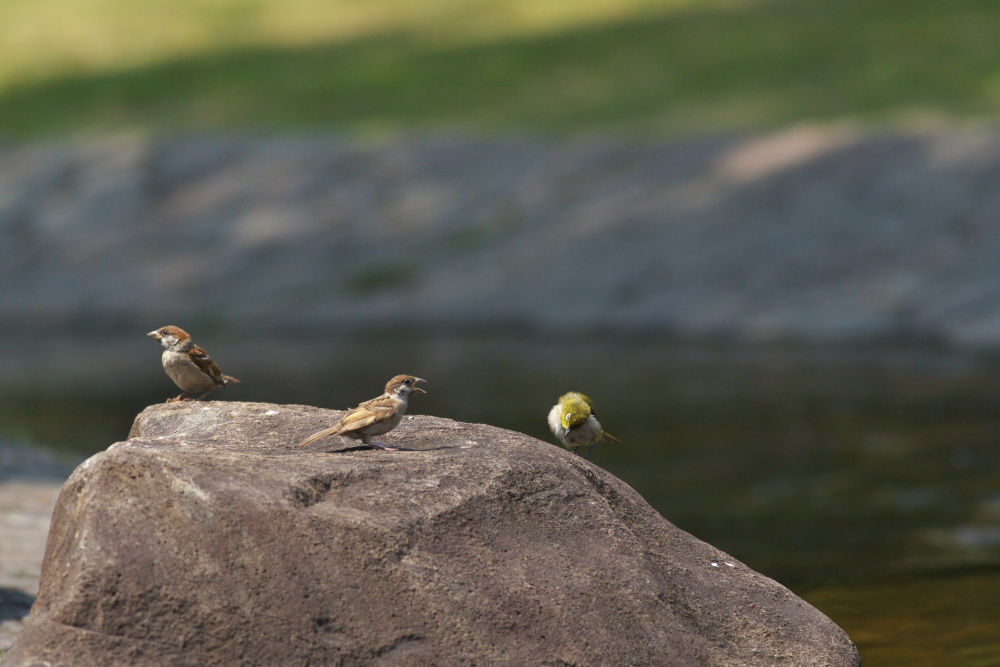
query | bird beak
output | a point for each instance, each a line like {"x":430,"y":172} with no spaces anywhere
{"x":154,"y":334}
{"x":416,"y":388}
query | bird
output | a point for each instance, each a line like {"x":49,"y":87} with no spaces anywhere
{"x":376,"y":416}
{"x":574,"y":422}
{"x":187,"y":364}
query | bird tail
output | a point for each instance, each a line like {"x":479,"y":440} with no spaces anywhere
{"x":607,"y":437}
{"x":319,"y":435}
{"x":230,"y":378}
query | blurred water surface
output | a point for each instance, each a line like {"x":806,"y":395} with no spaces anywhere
{"x":867,"y":480}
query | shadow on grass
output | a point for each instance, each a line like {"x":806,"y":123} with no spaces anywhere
{"x":752,"y":65}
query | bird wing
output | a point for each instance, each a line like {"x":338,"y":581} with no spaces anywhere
{"x":204,"y":362}
{"x":607,"y":437}
{"x":368,"y":413}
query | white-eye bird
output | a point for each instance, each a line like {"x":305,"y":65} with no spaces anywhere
{"x":376,"y":416}
{"x":574,"y":422}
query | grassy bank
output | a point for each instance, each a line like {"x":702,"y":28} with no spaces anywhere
{"x":654,"y":66}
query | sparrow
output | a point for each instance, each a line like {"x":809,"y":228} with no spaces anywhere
{"x":375,"y":417}
{"x":188,"y":365}
{"x":574,"y":422}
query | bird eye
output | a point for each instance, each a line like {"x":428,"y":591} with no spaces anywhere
{"x":407,"y":381}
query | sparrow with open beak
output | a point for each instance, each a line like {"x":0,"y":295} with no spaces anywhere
{"x":188,"y":365}
{"x":574,"y":422}
{"x":375,"y":417}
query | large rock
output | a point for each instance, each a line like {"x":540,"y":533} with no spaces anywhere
{"x":209,"y":539}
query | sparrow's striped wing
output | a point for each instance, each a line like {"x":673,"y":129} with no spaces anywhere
{"x":370,"y":412}
{"x":205,"y":364}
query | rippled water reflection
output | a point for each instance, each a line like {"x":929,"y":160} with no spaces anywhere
{"x":869,"y":481}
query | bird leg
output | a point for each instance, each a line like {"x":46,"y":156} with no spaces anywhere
{"x":380,"y":445}
{"x":367,"y":439}
{"x":182,"y":397}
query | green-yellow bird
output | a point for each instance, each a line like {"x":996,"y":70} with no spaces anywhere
{"x":574,"y":422}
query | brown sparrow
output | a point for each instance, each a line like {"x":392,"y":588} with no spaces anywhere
{"x":375,"y":417}
{"x":188,"y":365}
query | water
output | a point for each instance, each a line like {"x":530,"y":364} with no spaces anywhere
{"x":868,"y":481}
{"x":922,"y":618}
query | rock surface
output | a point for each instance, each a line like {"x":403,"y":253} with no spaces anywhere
{"x":208,"y":539}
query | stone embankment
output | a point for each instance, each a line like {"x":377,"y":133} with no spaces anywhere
{"x":808,"y":235}
{"x":29,"y":484}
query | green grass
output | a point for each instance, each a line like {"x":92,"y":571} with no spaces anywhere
{"x":656,"y":66}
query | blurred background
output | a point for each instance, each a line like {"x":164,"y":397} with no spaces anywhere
{"x":763,"y":235}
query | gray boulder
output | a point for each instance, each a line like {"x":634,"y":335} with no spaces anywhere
{"x":207,"y":538}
